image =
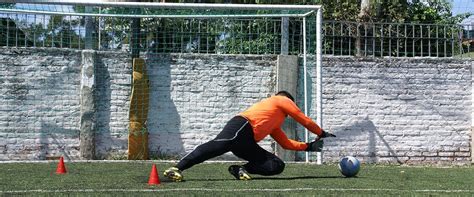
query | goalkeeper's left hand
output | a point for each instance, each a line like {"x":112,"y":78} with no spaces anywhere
{"x":317,"y":144}
{"x":314,"y":146}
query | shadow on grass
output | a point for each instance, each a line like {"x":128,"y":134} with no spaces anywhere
{"x":297,"y":177}
{"x":268,"y":178}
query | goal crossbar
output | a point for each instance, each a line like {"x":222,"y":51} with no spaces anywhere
{"x":169,"y":5}
{"x":205,"y":9}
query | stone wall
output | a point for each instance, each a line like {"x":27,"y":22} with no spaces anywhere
{"x":39,"y":105}
{"x":382,"y":110}
{"x":407,"y":110}
{"x":193,"y":96}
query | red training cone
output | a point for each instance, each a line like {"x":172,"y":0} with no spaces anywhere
{"x":61,"y":169}
{"x":154,"y":178}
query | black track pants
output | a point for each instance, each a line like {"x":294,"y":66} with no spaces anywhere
{"x":237,"y":137}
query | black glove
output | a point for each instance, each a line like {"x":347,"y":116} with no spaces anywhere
{"x":327,"y":134}
{"x":317,"y":145}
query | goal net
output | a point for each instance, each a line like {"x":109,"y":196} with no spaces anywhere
{"x":166,"y":77}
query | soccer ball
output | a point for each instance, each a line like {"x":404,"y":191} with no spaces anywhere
{"x":349,"y":166}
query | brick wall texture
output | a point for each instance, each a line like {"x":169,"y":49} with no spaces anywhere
{"x":395,"y":110}
{"x":415,"y":111}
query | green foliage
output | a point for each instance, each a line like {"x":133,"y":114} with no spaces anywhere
{"x":257,"y":45}
{"x":249,"y":37}
{"x":60,"y":33}
{"x":373,"y":31}
{"x":398,"y":11}
{"x":393,"y":11}
{"x":12,"y":34}
{"x":7,"y":5}
{"x":437,"y":12}
{"x":340,"y":10}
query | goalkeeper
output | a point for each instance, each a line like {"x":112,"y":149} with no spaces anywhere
{"x":241,"y":134}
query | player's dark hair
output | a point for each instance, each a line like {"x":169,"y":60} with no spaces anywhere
{"x":287,"y":94}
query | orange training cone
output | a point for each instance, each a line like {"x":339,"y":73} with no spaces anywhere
{"x":61,"y":168}
{"x":154,"y":178}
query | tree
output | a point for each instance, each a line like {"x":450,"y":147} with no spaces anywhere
{"x":397,"y":11}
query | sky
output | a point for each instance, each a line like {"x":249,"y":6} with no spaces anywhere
{"x":463,"y":6}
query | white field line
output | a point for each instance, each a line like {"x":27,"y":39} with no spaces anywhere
{"x":230,"y":190}
{"x":130,"y":161}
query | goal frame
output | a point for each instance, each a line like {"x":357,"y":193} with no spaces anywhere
{"x":307,"y":9}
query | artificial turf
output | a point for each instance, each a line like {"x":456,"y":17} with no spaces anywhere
{"x":212,"y":179}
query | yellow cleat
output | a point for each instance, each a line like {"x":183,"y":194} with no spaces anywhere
{"x":173,"y":174}
{"x":239,"y":172}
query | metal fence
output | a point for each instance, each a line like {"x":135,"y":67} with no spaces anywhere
{"x":398,"y":40}
{"x":180,"y":35}
{"x":235,"y":35}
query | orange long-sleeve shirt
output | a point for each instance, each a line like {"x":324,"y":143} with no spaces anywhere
{"x":267,"y":116}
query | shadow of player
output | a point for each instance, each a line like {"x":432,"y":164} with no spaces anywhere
{"x":229,"y":178}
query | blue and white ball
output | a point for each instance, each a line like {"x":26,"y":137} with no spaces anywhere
{"x":349,"y":166}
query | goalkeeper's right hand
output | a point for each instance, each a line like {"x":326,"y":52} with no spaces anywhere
{"x":326,"y":134}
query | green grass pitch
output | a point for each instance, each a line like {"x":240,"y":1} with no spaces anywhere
{"x":212,"y":179}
